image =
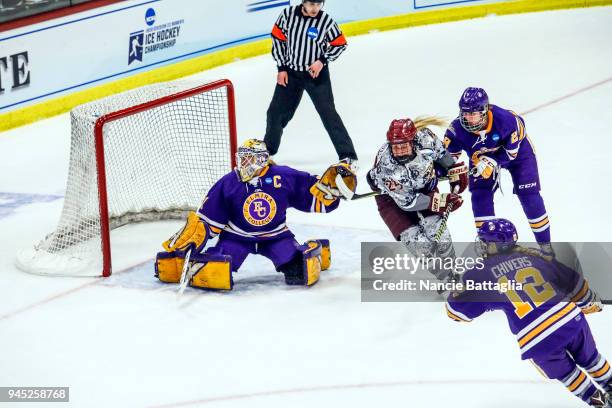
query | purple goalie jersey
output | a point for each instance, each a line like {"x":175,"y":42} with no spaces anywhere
{"x":256,"y":210}
{"x":541,"y":313}
{"x":505,"y":139}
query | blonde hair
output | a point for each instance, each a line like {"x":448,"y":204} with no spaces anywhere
{"x":423,"y":121}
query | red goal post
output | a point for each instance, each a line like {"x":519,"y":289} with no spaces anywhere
{"x":142,"y":142}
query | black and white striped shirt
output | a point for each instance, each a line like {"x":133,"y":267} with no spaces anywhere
{"x":298,"y":40}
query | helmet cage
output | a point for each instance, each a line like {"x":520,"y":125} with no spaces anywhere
{"x":474,"y":126}
{"x":250,"y":162}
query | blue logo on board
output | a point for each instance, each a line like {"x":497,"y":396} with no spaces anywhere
{"x":150,"y":17}
{"x":268,"y":180}
{"x":495,"y":137}
{"x":136,"y":46}
{"x":312,"y":33}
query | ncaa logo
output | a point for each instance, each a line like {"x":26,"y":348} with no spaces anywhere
{"x":495,"y":137}
{"x":313,"y":33}
{"x":135,"y":46}
{"x":150,"y":17}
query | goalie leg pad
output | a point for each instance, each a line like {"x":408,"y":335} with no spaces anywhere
{"x":195,"y":232}
{"x":211,"y":271}
{"x":305,"y":267}
{"x":325,"y":254}
{"x":169,"y":266}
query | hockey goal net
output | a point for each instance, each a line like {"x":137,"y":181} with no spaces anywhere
{"x":147,"y":154}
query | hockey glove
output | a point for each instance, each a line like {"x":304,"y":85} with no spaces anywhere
{"x":594,"y":305}
{"x":439,"y":202}
{"x":486,"y":167}
{"x":458,"y":177}
{"x":327,"y":190}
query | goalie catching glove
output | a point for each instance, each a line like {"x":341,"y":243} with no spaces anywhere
{"x":338,"y":181}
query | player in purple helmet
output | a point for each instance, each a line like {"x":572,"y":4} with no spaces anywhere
{"x":494,"y":139}
{"x":546,"y":313}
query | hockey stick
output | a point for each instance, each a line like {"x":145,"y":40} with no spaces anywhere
{"x":356,"y":196}
{"x":348,"y":194}
{"x":442,"y":226}
{"x":184,"y":278}
{"x":607,"y":302}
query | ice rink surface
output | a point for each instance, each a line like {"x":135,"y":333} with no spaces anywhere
{"x":127,"y":342}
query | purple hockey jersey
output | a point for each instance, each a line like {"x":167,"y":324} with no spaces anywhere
{"x":256,"y":210}
{"x":542,"y":314}
{"x":504,"y":139}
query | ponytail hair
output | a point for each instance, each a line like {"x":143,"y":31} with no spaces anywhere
{"x":424,"y":121}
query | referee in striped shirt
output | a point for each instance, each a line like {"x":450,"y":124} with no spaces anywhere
{"x":305,"y":39}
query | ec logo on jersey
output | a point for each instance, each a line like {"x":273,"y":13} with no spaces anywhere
{"x":259,"y":209}
{"x":313,"y":33}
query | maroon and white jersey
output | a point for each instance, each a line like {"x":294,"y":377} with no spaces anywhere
{"x":404,"y":182}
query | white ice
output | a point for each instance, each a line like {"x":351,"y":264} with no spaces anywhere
{"x":127,"y":342}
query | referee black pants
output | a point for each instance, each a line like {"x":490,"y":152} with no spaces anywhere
{"x":286,"y":100}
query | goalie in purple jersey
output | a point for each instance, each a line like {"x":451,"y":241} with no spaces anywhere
{"x":495,"y":139}
{"x":247,"y":208}
{"x":546,"y":313}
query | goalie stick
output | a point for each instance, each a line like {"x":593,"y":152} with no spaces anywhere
{"x":184,"y":275}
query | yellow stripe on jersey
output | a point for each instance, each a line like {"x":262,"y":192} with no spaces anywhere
{"x":601,"y":372}
{"x":582,"y":292}
{"x":519,"y":126}
{"x":318,"y":206}
{"x":577,"y":383}
{"x":539,"y":223}
{"x":546,"y":324}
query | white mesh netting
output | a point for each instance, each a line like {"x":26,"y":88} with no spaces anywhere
{"x":159,"y":164}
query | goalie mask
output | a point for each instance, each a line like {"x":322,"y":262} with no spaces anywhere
{"x":252,"y":157}
{"x":401,"y":135}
